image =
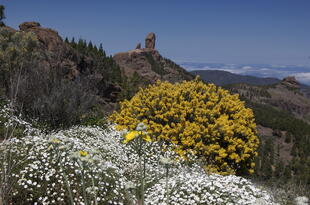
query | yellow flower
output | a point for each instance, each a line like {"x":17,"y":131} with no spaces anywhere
{"x":54,"y":140}
{"x":147,"y":138}
{"x":130,"y":136}
{"x":194,"y":117}
{"x":133,"y":134}
{"x":83,"y":153}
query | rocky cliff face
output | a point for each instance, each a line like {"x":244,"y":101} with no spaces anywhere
{"x":149,"y":64}
{"x":72,"y":64}
{"x":58,"y":53}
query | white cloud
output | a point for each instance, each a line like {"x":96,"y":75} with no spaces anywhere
{"x":279,"y":66}
{"x":247,"y":67}
{"x":303,"y":77}
{"x":265,"y":69}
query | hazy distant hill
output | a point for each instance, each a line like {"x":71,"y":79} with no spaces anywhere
{"x":220,"y":77}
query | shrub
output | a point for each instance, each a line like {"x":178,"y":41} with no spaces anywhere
{"x":194,"y":117}
{"x":196,"y":188}
{"x":67,"y":167}
{"x":59,"y":102}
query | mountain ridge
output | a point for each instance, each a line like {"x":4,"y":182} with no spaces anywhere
{"x":220,"y":77}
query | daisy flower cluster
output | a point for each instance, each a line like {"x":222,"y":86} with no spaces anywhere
{"x":91,"y":165}
{"x":9,"y":120}
{"x":195,"y":187}
{"x":75,"y":165}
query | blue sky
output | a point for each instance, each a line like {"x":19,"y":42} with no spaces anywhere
{"x":221,"y":31}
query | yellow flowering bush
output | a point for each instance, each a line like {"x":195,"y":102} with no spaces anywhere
{"x":194,"y":117}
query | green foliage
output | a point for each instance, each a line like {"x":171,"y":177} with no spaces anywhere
{"x":266,"y":158}
{"x":130,"y":86}
{"x":2,"y":16}
{"x":17,"y":53}
{"x":109,"y":69}
{"x":298,"y":133}
{"x":97,"y":117}
{"x":250,"y":92}
{"x":59,"y":102}
{"x":155,"y":66}
{"x":102,"y":63}
{"x":174,"y":66}
{"x":276,"y":119}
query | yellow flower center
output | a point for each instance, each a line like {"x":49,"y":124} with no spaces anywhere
{"x":83,"y":153}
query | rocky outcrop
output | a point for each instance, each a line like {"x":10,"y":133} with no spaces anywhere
{"x":70,"y":63}
{"x":149,"y":64}
{"x":26,"y":25}
{"x":150,"y":41}
{"x":59,"y":54}
{"x":290,"y":81}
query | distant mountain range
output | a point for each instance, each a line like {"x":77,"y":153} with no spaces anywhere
{"x":220,"y":77}
{"x":301,"y":72}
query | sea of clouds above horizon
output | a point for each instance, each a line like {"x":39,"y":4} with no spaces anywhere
{"x":301,"y":72}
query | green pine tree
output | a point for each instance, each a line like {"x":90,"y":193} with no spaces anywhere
{"x":95,"y":49}
{"x":72,"y":41}
{"x":66,"y":40}
{"x":90,"y":46}
{"x":101,"y":51}
{"x":2,"y":16}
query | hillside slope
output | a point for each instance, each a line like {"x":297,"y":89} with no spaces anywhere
{"x":282,"y":113}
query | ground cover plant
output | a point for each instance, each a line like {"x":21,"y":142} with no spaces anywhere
{"x":89,"y":165}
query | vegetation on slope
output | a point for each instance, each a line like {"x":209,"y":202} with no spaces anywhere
{"x":290,"y":138}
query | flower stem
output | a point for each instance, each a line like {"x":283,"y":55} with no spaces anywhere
{"x":167,"y":186}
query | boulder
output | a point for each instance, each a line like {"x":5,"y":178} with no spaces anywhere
{"x":150,"y":41}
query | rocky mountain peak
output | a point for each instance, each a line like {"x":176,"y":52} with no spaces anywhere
{"x":27,"y":25}
{"x":149,"y":64}
{"x":291,"y":82}
{"x":150,"y":41}
{"x":48,"y":38}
